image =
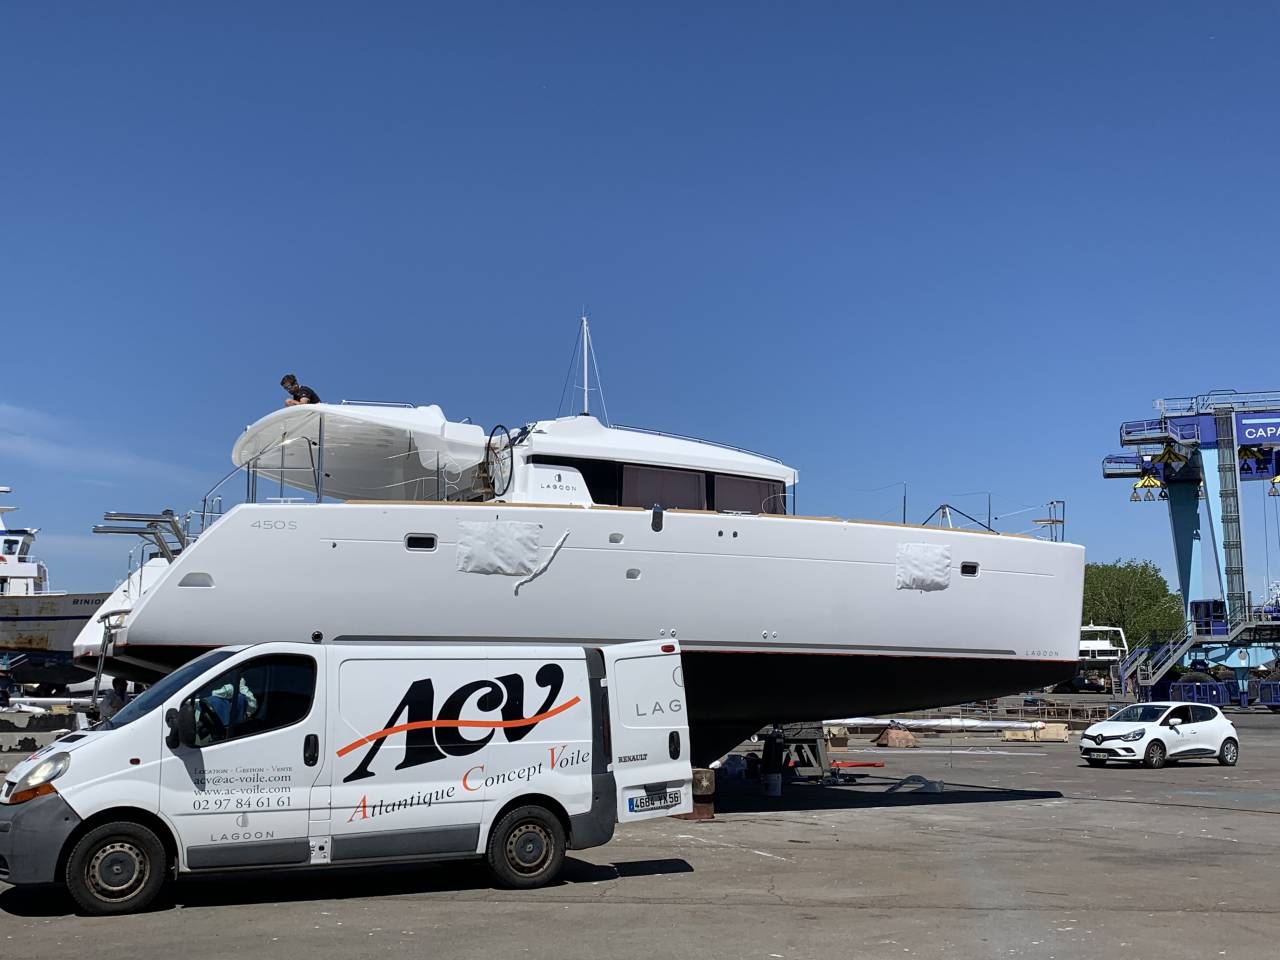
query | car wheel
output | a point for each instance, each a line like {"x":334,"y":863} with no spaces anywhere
{"x":526,"y":848}
{"x":1230,"y":753}
{"x":1095,"y":762}
{"x":1155,"y":757}
{"x":116,"y":868}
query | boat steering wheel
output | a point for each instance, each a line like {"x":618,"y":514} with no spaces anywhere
{"x":498,"y":459}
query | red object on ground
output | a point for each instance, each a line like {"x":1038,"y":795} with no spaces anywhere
{"x":857,"y":763}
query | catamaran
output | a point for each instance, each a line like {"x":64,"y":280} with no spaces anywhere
{"x":390,"y":523}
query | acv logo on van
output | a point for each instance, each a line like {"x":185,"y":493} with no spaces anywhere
{"x":431,"y":736}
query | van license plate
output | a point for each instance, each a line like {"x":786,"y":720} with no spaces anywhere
{"x":1099,"y":754}
{"x":653,"y":801}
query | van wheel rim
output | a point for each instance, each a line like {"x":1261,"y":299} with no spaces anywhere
{"x":528,"y":848}
{"x":117,"y":871}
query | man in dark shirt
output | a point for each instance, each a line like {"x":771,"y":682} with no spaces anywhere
{"x":298,"y":394}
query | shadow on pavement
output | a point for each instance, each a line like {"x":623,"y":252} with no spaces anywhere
{"x":866,"y":792}
{"x":333,"y":883}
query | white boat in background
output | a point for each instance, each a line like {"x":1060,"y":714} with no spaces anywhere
{"x":1100,"y":645}
{"x":377,"y":522}
{"x":37,"y":624}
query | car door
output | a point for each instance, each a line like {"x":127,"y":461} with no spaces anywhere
{"x":1209,"y":730}
{"x":649,"y":728}
{"x":1180,"y":739}
{"x":241,"y":795}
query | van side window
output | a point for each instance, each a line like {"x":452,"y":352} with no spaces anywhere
{"x":253,"y":697}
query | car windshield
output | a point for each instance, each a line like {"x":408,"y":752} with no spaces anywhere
{"x":163,"y":689}
{"x":1141,"y":713}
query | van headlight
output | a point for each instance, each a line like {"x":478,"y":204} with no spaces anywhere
{"x":1133,"y":735}
{"x":39,"y":780}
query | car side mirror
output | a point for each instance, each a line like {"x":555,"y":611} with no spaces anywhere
{"x":1176,"y":721}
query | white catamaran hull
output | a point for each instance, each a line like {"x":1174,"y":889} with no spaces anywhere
{"x":779,"y":618}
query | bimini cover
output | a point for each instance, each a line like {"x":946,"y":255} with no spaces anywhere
{"x":923,"y":566}
{"x":370,"y":452}
{"x":506,"y":547}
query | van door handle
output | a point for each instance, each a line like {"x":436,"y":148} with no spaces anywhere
{"x":311,"y":750}
{"x":673,"y":744}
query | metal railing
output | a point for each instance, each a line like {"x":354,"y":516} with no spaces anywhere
{"x":1217,"y":399}
{"x":1139,"y":431}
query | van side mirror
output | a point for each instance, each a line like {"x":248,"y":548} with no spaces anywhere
{"x":182,"y":725}
{"x":171,"y":721}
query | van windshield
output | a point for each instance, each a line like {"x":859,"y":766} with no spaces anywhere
{"x":163,"y":689}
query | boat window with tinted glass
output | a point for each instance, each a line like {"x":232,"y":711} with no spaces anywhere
{"x":748,"y":495}
{"x":262,"y":694}
{"x":672,"y":489}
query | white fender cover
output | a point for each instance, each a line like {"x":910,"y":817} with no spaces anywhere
{"x":923,"y":566}
{"x":506,"y":547}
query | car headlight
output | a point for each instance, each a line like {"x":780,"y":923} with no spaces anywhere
{"x":39,"y":780}
{"x":1134,"y":735}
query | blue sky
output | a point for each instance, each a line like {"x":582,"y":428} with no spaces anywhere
{"x":956,"y":243}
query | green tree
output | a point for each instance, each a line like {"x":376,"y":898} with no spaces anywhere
{"x":1133,"y":595}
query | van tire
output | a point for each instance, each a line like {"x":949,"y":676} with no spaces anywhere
{"x":526,"y":848}
{"x":116,"y":868}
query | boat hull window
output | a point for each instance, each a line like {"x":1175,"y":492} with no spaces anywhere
{"x":672,"y":489}
{"x":748,"y":495}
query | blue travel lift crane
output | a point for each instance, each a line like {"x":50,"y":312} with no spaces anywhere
{"x":1194,"y":457}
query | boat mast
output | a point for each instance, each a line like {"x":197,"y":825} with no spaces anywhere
{"x":586,"y":346}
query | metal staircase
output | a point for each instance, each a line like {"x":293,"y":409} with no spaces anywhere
{"x":1149,"y":664}
{"x":1157,"y":664}
{"x":1129,"y":666}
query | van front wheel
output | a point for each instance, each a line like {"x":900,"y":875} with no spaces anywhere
{"x":526,"y":848}
{"x":116,"y":868}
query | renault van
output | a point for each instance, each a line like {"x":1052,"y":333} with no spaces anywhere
{"x":282,"y":755}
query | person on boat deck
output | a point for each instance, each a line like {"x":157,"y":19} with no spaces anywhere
{"x":298,"y":394}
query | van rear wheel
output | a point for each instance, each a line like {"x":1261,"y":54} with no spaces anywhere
{"x":526,"y":848}
{"x":116,"y":868}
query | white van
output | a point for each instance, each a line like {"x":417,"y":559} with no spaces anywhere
{"x":283,"y":755}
